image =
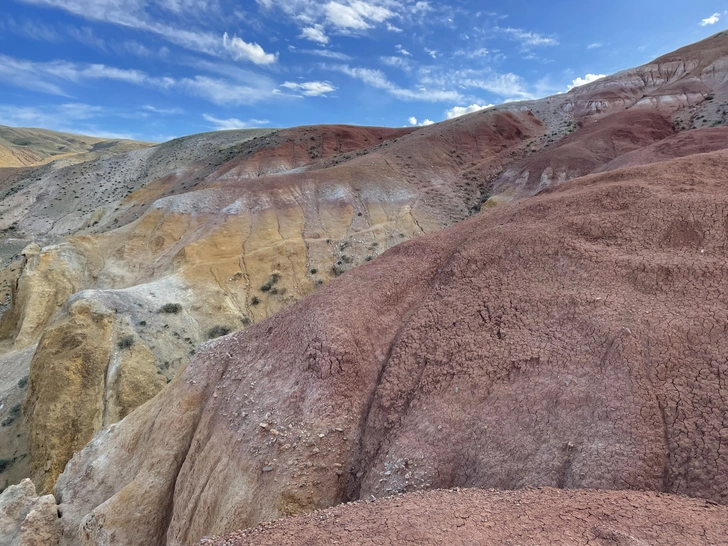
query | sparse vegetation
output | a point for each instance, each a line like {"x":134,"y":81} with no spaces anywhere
{"x":274,"y":278}
{"x":23,"y":382}
{"x":12,"y":415}
{"x":255,"y":300}
{"x":171,"y":308}
{"x":125,"y":342}
{"x":217,"y":331}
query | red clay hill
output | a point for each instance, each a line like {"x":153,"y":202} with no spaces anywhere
{"x":575,"y":339}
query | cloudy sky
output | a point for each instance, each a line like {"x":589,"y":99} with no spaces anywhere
{"x":156,"y":69}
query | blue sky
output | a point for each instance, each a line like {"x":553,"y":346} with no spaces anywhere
{"x":157,"y":69}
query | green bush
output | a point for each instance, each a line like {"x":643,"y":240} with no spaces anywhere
{"x":171,"y":308}
{"x":23,"y":382}
{"x":126,"y":342}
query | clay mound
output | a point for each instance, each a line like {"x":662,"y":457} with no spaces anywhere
{"x":584,"y":151}
{"x":698,"y":141}
{"x":467,"y":517}
{"x":574,"y":340}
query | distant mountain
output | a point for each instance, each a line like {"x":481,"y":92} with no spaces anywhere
{"x":30,"y":147}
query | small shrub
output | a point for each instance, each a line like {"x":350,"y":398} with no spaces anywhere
{"x":314,"y":271}
{"x":171,"y":308}
{"x":125,"y":342}
{"x":274,"y":278}
{"x":142,"y":323}
{"x":254,"y":301}
{"x":4,"y":463}
{"x":12,"y":416}
{"x":23,"y":382}
{"x":217,"y":331}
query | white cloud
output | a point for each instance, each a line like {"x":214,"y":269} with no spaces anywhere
{"x":529,"y":39}
{"x":713,"y":19}
{"x":424,"y":123}
{"x":595,"y":45}
{"x":310,"y":89}
{"x":402,"y":51}
{"x":357,"y":15}
{"x":586,"y":79}
{"x":392,"y":28}
{"x":431,"y":52}
{"x":315,"y":34}
{"x":462,"y":110}
{"x":234,"y":123}
{"x":252,"y":52}
{"x":378,"y":80}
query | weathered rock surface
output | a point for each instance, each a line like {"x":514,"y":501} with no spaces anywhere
{"x":466,"y":517}
{"x":574,"y":340}
{"x":26,"y":519}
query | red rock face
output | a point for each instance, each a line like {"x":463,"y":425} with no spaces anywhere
{"x":544,"y":516}
{"x":572,"y":340}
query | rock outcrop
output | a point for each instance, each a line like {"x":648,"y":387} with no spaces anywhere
{"x":574,"y":340}
{"x":26,"y":519}
{"x":466,"y":517}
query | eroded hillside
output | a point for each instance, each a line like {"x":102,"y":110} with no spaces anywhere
{"x":564,"y":341}
{"x":119,"y":265}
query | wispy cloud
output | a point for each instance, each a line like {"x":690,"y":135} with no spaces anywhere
{"x":134,"y":14}
{"x":527,"y":38}
{"x":327,"y":53}
{"x":310,"y":89}
{"x":595,"y":45}
{"x":234,"y":123}
{"x":378,"y":80}
{"x":50,"y":77}
{"x":713,"y":19}
{"x":163,"y":111}
{"x":31,"y":29}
